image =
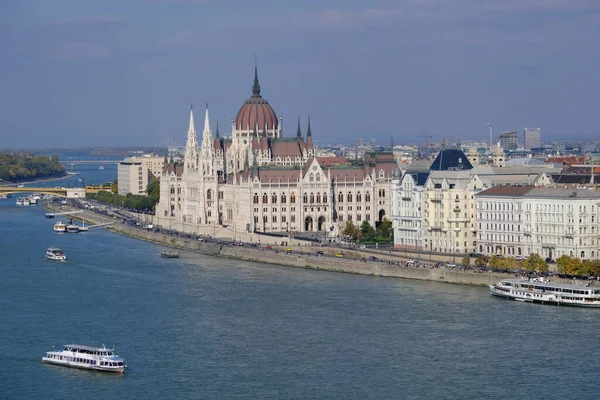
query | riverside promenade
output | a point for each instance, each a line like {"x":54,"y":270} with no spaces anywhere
{"x":353,"y":261}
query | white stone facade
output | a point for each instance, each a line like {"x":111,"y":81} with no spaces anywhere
{"x":548,"y":221}
{"x":258,"y":181}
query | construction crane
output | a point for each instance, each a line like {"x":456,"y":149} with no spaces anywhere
{"x":427,"y":137}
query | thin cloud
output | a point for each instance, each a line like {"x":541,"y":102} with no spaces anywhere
{"x":80,"y":50}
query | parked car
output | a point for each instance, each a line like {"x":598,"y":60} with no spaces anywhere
{"x":549,"y":260}
{"x":319,"y":253}
{"x":269,"y":247}
{"x":373,"y":258}
{"x":339,"y":255}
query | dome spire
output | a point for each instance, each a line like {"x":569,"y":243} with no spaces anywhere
{"x":308,"y":132}
{"x":255,"y":86}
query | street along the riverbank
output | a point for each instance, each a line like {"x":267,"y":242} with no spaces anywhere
{"x":353,"y":261}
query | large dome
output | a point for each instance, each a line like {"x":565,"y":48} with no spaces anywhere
{"x":256,"y":109}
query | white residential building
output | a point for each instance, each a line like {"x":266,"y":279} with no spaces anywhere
{"x":518,"y":221}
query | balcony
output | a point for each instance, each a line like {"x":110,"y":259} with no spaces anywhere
{"x":406,"y":198}
{"x":456,"y":209}
{"x":459,"y":219}
{"x":436,"y":200}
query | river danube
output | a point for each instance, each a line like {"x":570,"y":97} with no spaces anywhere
{"x":207,"y":328}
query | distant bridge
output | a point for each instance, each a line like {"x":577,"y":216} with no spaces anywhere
{"x":73,"y":193}
{"x":76,"y":162}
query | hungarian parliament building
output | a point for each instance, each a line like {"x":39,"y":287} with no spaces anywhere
{"x":257,"y":180}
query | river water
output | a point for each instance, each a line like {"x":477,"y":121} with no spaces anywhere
{"x":200,"y":327}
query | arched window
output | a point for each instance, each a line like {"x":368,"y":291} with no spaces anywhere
{"x":209,"y":194}
{"x":358,"y":197}
{"x":349,"y":197}
{"x":324,"y":197}
{"x":318,"y":197}
{"x":318,"y":177}
{"x":283,"y":198}
{"x":367,"y":196}
{"x":255,"y":198}
{"x":312,"y":198}
{"x":274,"y":198}
{"x":293,"y":198}
{"x":265,"y":198}
{"x":305,"y":198}
{"x":311,"y":177}
{"x":340,"y":197}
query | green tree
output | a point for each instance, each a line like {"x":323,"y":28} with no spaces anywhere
{"x":562,"y":263}
{"x":535,"y":263}
{"x":349,"y":229}
{"x":153,"y":189}
{"x":385,"y":230}
{"x":367,"y":231}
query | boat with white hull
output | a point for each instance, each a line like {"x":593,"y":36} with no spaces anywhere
{"x":544,"y":292}
{"x":59,"y":227}
{"x":55,"y":254}
{"x":86,"y":357}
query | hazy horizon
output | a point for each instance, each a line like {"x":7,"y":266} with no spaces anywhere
{"x":124,"y":73}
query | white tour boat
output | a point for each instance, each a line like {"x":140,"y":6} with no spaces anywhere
{"x":72,"y":228}
{"x":60,"y":227}
{"x":55,"y":254}
{"x":86,"y":357}
{"x":544,"y":292}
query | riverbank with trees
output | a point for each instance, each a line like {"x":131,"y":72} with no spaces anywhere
{"x":130,"y":201}
{"x":21,"y":167}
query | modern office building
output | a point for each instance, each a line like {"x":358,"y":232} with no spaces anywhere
{"x":134,"y":173}
{"x":509,"y":140}
{"x":532,"y":137}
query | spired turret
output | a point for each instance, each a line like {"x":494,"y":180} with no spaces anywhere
{"x":190,"y":162}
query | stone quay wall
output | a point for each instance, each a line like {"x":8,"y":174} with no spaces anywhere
{"x":301,"y":256}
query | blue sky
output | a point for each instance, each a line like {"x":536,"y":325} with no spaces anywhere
{"x":124,"y":72}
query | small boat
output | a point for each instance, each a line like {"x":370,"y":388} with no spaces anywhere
{"x":3,"y":197}
{"x":86,"y":357}
{"x":60,"y":227}
{"x":169,"y":254}
{"x":49,"y":215}
{"x":32,"y":200}
{"x":72,"y":228}
{"x":20,"y":201}
{"x":55,"y":254}
{"x":101,"y":167}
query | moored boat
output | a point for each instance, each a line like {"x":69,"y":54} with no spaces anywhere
{"x":544,"y":292}
{"x":72,"y":228}
{"x":169,"y":254}
{"x":59,"y":227}
{"x":55,"y":254}
{"x":86,"y":357}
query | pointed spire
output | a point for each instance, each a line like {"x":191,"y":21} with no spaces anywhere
{"x":309,"y":141}
{"x":192,"y":128}
{"x":256,"y":85}
{"x":217,"y":133}
{"x":299,"y":132}
{"x":206,"y":120}
{"x":191,"y":150}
